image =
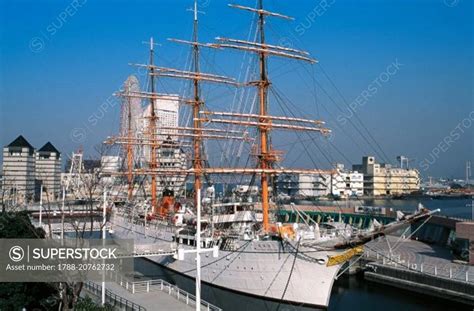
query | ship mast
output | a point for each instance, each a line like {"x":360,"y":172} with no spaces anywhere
{"x":265,"y":161}
{"x":266,"y":156}
{"x":152,"y":127}
{"x":265,"y":123}
{"x":197,"y":139}
{"x":129,"y":149}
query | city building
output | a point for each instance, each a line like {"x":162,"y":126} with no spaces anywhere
{"x":171,"y":157}
{"x":48,"y":169}
{"x":313,"y":185}
{"x":167,"y":114}
{"x":382,"y":179}
{"x":341,"y":183}
{"x":131,"y":109}
{"x":287,"y":185}
{"x":109,"y":165}
{"x":346,"y":183}
{"x":131,"y":119}
{"x":19,"y":170}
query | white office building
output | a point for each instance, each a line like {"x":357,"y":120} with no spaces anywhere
{"x":167,"y":113}
{"x":347,"y":183}
{"x":313,"y":185}
{"x":341,"y":183}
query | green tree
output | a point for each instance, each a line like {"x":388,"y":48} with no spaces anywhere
{"x":32,"y":296}
{"x":87,"y":304}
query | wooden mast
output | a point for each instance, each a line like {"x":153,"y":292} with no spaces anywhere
{"x":266,"y":156}
{"x":152,"y":129}
{"x":129,"y":150}
{"x":197,"y":139}
{"x":264,"y":122}
{"x":263,"y":84}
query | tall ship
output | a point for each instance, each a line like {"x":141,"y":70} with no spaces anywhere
{"x":259,"y":254}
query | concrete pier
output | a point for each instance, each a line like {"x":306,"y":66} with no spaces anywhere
{"x":419,"y":267}
{"x":451,"y":289}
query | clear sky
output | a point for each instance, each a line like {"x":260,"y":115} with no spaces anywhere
{"x":405,"y":67}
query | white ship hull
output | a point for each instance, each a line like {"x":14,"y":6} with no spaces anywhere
{"x":265,"y":269}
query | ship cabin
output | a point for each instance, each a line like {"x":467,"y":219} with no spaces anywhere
{"x":186,"y":236}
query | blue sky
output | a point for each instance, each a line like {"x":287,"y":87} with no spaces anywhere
{"x":60,"y":61}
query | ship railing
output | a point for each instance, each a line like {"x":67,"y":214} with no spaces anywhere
{"x":337,"y":232}
{"x":165,"y":287}
{"x":448,"y":270}
{"x":113,"y":299}
{"x":122,"y":219}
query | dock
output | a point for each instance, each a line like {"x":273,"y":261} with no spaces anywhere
{"x":419,"y":267}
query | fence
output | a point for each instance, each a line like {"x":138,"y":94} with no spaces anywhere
{"x":448,"y":270}
{"x":165,"y":287}
{"x":113,"y":299}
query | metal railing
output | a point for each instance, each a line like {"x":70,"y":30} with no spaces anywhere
{"x":165,"y":287}
{"x":113,"y":299}
{"x":452,"y":271}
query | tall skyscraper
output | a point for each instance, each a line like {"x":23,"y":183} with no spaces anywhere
{"x":167,"y":113}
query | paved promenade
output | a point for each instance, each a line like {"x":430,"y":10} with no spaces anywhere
{"x":155,"y":300}
{"x":418,"y":256}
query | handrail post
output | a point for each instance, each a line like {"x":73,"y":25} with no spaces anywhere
{"x":148,"y":286}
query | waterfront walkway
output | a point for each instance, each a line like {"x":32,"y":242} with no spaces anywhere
{"x":420,"y":267}
{"x":136,"y":286}
{"x":147,"y":295}
{"x":418,"y":256}
{"x":155,"y":300}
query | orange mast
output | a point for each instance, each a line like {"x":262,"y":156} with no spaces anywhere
{"x":267,"y":156}
{"x":265,"y":150}
{"x":261,"y":120}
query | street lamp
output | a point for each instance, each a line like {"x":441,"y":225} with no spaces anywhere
{"x":198,"y":251}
